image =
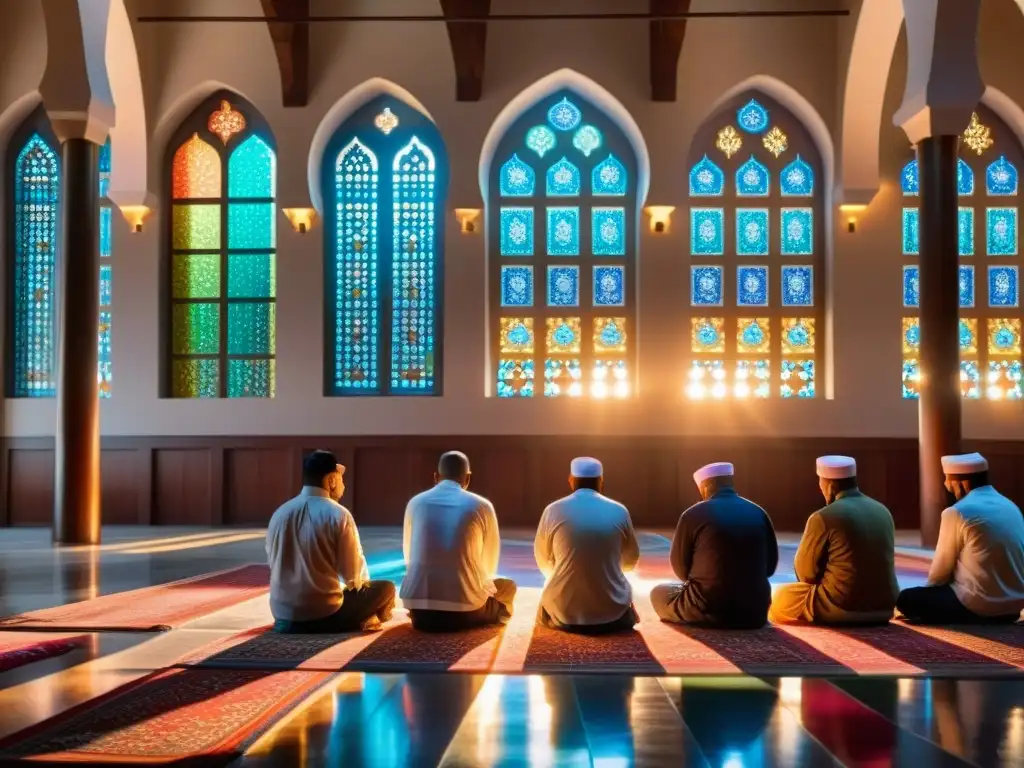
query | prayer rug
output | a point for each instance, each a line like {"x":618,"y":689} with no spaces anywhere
{"x":170,"y":716}
{"x":23,"y":648}
{"x":552,"y":650}
{"x":150,"y":609}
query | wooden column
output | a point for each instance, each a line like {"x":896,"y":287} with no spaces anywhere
{"x":76,"y":498}
{"x":939,"y":406}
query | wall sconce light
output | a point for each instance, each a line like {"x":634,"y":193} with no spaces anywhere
{"x":467,"y":218}
{"x":301,"y":219}
{"x":135,"y":215}
{"x":851,"y":210}
{"x":660,"y":215}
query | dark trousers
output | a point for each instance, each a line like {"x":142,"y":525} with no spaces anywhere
{"x":497,"y":610}
{"x":671,"y":602}
{"x":624,"y":623}
{"x":373,"y":599}
{"x":939,"y":605}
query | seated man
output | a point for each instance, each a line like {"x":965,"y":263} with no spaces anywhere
{"x":312,"y":542}
{"x":724,"y":550}
{"x":977,"y":574}
{"x":584,"y":543}
{"x":845,"y":561}
{"x":451,"y":547}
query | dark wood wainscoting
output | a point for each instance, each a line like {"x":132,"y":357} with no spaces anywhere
{"x":241,"y":480}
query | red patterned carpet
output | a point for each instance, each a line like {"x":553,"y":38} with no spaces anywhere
{"x":161,"y":607}
{"x":21,"y":648}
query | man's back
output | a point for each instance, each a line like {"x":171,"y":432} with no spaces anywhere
{"x":584,"y":543}
{"x":451,"y":546}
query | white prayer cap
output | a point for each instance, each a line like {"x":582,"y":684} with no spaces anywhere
{"x":836,"y":467}
{"x":718,"y":469}
{"x":584,"y":466}
{"x":964,"y":464}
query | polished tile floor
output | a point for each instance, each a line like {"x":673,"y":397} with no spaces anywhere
{"x":492,"y":720}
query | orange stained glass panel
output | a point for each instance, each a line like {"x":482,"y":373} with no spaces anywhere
{"x":195,"y":171}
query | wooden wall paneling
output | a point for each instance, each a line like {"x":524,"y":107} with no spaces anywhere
{"x":119,"y":483}
{"x":256,"y":482}
{"x":386,"y":478}
{"x":218,"y":479}
{"x":502,"y":476}
{"x":30,"y":486}
{"x":144,"y":460}
{"x":182,"y":486}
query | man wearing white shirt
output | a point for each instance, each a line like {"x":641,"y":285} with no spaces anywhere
{"x":451,"y":547}
{"x":585,"y":543}
{"x":977,"y":574}
{"x":319,"y":581}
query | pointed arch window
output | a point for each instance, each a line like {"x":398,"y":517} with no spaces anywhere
{"x":385,"y":182}
{"x":221,"y":273}
{"x":562,"y":266}
{"x":756,"y":275}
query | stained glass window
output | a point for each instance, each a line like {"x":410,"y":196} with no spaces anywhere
{"x":105,"y":373}
{"x":562,"y":255}
{"x":223,"y":282}
{"x":755,"y":255}
{"x":384,"y":178}
{"x":990,"y":362}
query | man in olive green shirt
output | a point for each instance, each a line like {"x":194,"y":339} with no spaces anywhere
{"x":845,"y":562}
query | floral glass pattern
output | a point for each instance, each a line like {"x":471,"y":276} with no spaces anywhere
{"x":797,"y":378}
{"x":911,"y":244}
{"x":911,"y":287}
{"x":706,"y":231}
{"x":1004,"y":336}
{"x":797,"y":226}
{"x":104,"y":362}
{"x":541,"y":140}
{"x":798,"y":286}
{"x":798,"y":335}
{"x":910,"y":179}
{"x":563,"y":179}
{"x":753,"y":335}
{"x":563,"y":231}
{"x":707,"y":335}
{"x":752,"y":232}
{"x":707,"y":378}
{"x":517,"y":178}
{"x":964,"y":179}
{"x":515,"y":377}
{"x":563,"y":336}
{"x":706,"y":179}
{"x":752,"y":286}
{"x":706,"y":286}
{"x":752,"y":117}
{"x":797,"y":179}
{"x":609,"y":335}
{"x":563,"y":286}
{"x":1001,"y":228}
{"x":609,"y":178}
{"x":564,"y":116}
{"x":609,"y":287}
{"x":752,"y":179}
{"x":753,"y":379}
{"x":587,"y":139}
{"x":1004,"y":380}
{"x":1001,"y":177}
{"x":226,"y":122}
{"x":965,"y":231}
{"x":608,"y":231}
{"x":966,"y":286}
{"x":517,"y":336}
{"x":517,"y":231}
{"x":1003,"y":284}
{"x":517,"y":286}
{"x":563,"y":377}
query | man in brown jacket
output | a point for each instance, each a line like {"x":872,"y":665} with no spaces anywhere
{"x":845,"y":562}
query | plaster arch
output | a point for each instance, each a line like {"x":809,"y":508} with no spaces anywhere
{"x":16,"y":113}
{"x":1007,"y":109}
{"x":342,"y":109}
{"x":129,"y":136}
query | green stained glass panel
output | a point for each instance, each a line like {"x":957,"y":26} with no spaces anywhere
{"x":196,"y":329}
{"x":250,"y":378}
{"x":196,"y":275}
{"x":195,"y":378}
{"x":252,"y":169}
{"x":251,"y":226}
{"x":196,"y":227}
{"x":252,"y":276}
{"x":251,"y":328}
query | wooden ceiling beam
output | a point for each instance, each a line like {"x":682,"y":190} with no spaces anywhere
{"x":469,"y":45}
{"x":666,"y":44}
{"x":291,"y":45}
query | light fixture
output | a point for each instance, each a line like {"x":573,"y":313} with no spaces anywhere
{"x":301,"y":218}
{"x":660,"y":217}
{"x":467,"y":218}
{"x":135,"y":215}
{"x":851,"y":210}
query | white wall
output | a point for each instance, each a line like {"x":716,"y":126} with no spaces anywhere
{"x":182,"y":64}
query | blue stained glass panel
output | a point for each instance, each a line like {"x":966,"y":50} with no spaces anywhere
{"x":517,"y":286}
{"x":515,"y":378}
{"x":797,"y":231}
{"x":609,"y":178}
{"x":563,"y":286}
{"x":707,"y":231}
{"x":797,"y":179}
{"x":706,"y":179}
{"x":1001,"y":228}
{"x":251,"y":328}
{"x":970,"y":379}
{"x":752,"y":231}
{"x":540,"y":139}
{"x":706,"y":286}
{"x":752,"y":117}
{"x":105,"y":275}
{"x":517,"y":178}
{"x":964,"y":178}
{"x":1001,"y":177}
{"x":105,"y":169}
{"x":516,"y":231}
{"x":563,"y":179}
{"x":413,"y":276}
{"x":1003,"y":287}
{"x":797,"y":378}
{"x":105,"y":372}
{"x":563,"y":231}
{"x":911,"y":287}
{"x":966,"y":283}
{"x":251,"y":226}
{"x":609,"y":286}
{"x":798,"y":286}
{"x":608,"y":231}
{"x":752,"y":179}
{"x":966,"y":335}
{"x":564,"y":116}
{"x":252,"y":169}
{"x":752,"y":286}
{"x":910,"y":179}
{"x":911,"y":242}
{"x":105,"y":239}
{"x":912,"y":336}
{"x":587,"y":139}
{"x":965,"y":231}
{"x":911,"y":375}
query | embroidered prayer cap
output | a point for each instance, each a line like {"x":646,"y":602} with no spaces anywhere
{"x":836,"y":467}
{"x":964,"y":464}
{"x":584,"y":466}
{"x":717,"y":469}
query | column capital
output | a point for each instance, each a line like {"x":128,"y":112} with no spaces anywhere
{"x":75,"y":87}
{"x":944,"y":83}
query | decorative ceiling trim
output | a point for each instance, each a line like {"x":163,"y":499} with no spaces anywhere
{"x":666,"y":44}
{"x":469,"y":45}
{"x":291,"y":44}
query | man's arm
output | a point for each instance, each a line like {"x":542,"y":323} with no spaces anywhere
{"x":947,"y":550}
{"x":407,"y":533}
{"x":772,"y":543}
{"x":492,"y":539}
{"x":542,"y":545}
{"x":810,"y":555}
{"x":352,"y":566}
{"x":681,"y":556}
{"x":630,"y":549}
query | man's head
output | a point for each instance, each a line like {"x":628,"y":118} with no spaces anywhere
{"x":321,"y":470}
{"x":712,"y":477}
{"x":964,"y":473}
{"x":835,"y":475}
{"x":453,"y":466}
{"x":586,"y":473}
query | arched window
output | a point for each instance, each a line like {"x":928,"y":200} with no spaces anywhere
{"x":385,"y":181}
{"x":562,"y":269}
{"x":990,"y":317}
{"x":106,"y":372}
{"x":756,"y":276}
{"x":222,"y":273}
